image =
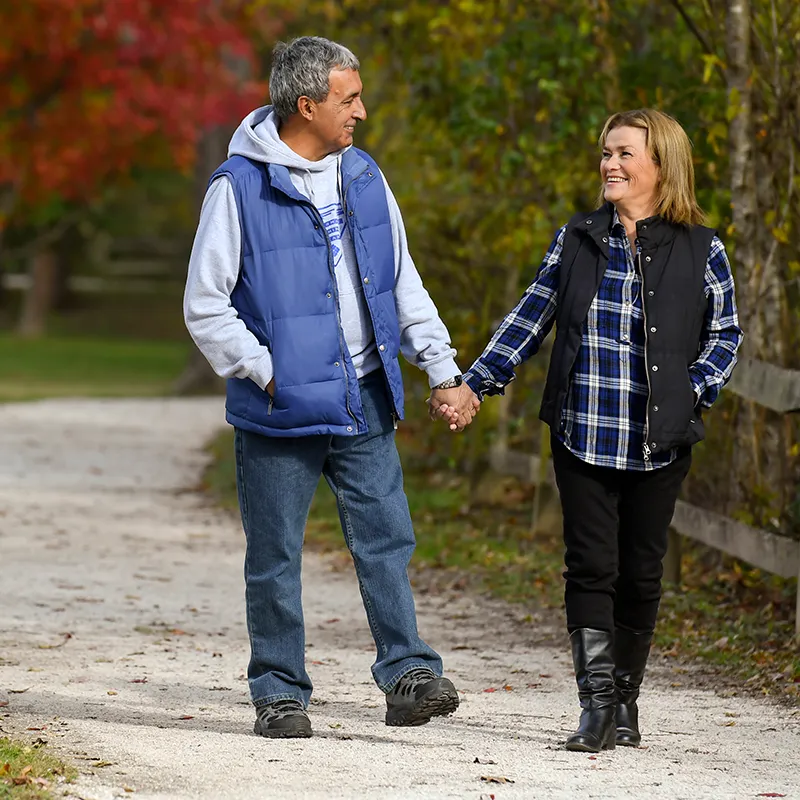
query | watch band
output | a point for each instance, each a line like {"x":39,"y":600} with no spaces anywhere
{"x":450,"y":383}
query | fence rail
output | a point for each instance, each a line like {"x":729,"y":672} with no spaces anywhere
{"x":759,"y":382}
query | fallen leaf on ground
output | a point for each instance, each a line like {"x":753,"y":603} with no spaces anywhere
{"x":495,"y":779}
{"x":112,"y":692}
{"x":186,"y":716}
{"x":485,"y":761}
{"x":138,"y":680}
{"x":67,"y":637}
{"x":770,"y":794}
{"x":508,"y":688}
{"x":329,"y":621}
{"x":18,"y":691}
{"x":490,"y":689}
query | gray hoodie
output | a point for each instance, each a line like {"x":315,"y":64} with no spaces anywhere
{"x":231,"y":349}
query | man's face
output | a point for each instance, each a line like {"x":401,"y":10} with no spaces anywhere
{"x":335,"y":119}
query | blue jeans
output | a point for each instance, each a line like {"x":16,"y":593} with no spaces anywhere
{"x":276,"y":479}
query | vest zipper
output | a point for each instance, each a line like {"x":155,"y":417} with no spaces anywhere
{"x":269,"y":407}
{"x":332,"y":272}
{"x":645,"y":447}
{"x":395,"y":415}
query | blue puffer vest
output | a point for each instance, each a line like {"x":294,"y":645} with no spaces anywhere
{"x":287,"y":296}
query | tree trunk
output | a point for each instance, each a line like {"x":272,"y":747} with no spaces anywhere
{"x":743,"y":179}
{"x":40,"y":294}
{"x":759,"y":452}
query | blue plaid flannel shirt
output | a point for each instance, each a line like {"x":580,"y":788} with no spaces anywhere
{"x":604,"y":416}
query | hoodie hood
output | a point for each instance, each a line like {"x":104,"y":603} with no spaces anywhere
{"x":257,"y":138}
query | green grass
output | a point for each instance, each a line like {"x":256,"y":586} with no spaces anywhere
{"x":735,"y":621}
{"x":87,"y":367}
{"x":29,"y":772}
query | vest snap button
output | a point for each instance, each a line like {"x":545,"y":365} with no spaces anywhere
{"x":647,"y":258}
{"x":382,"y":348}
{"x":605,"y":238}
{"x":335,"y":363}
{"x":349,"y":428}
{"x":655,"y":368}
{"x":651,"y":293}
{"x":370,"y":174}
{"x":653,"y":329}
{"x":350,"y":212}
{"x":366,"y":280}
{"x":655,"y":408}
{"x":329,"y":295}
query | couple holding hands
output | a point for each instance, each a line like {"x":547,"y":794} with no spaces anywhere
{"x":301,"y":292}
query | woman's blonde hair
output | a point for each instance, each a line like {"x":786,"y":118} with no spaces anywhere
{"x":670,"y":148}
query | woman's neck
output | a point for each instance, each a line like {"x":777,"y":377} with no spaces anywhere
{"x":630,"y":215}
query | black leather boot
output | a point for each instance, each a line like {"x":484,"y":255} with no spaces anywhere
{"x":630,"y":656}
{"x":593,"y":657}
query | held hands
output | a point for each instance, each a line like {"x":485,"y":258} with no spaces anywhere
{"x":457,"y":406}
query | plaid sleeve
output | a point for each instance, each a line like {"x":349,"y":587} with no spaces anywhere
{"x":721,"y":336}
{"x":523,"y":330}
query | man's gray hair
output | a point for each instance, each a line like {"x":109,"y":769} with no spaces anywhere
{"x":302,"y":68}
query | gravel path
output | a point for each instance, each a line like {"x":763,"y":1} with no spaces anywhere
{"x":123,"y":646}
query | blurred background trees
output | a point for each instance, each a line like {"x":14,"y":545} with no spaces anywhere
{"x":484,"y":114}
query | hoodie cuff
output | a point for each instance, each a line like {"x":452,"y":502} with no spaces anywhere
{"x":441,"y":371}
{"x":262,"y":372}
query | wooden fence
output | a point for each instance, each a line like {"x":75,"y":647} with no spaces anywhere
{"x":770,"y":386}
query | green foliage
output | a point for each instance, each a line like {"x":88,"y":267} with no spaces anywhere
{"x":75,"y":367}
{"x":29,"y":772}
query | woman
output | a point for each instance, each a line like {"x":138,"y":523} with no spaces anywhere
{"x":647,"y":334}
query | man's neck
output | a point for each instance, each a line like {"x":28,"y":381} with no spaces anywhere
{"x":297,"y":138}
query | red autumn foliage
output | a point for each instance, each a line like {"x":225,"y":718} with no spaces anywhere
{"x":90,"y":89}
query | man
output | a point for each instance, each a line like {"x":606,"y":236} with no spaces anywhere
{"x":301,"y":291}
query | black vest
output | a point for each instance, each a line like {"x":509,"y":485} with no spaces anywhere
{"x":673,"y":264}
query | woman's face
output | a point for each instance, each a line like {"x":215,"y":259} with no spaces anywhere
{"x":630,"y":177}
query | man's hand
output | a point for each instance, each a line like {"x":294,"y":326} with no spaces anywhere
{"x":271,"y":388}
{"x":456,"y":406}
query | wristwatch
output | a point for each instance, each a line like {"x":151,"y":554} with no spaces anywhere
{"x":450,"y":383}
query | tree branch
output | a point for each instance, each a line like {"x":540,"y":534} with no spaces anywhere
{"x":698,"y":34}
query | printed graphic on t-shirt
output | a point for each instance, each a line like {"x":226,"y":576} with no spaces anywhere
{"x":333,"y":220}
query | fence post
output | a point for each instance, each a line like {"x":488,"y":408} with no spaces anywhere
{"x":672,"y":559}
{"x":797,"y":607}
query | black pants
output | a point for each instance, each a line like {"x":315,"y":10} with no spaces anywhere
{"x":615,"y":537}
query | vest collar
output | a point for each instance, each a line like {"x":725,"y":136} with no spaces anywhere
{"x":652,"y":233}
{"x":353,"y":166}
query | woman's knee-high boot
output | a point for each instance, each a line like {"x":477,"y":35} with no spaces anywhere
{"x":631,"y":651}
{"x":593,"y":657}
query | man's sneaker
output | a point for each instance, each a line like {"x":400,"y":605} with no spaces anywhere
{"x":418,"y":696}
{"x":283,"y":719}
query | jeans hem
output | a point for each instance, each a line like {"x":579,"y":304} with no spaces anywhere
{"x":274,"y":698}
{"x":389,"y":685}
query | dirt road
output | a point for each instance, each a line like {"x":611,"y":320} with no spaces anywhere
{"x":123,"y":645}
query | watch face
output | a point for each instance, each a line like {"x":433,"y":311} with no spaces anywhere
{"x":458,"y":380}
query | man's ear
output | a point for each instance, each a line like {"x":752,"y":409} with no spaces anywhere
{"x":306,"y":107}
